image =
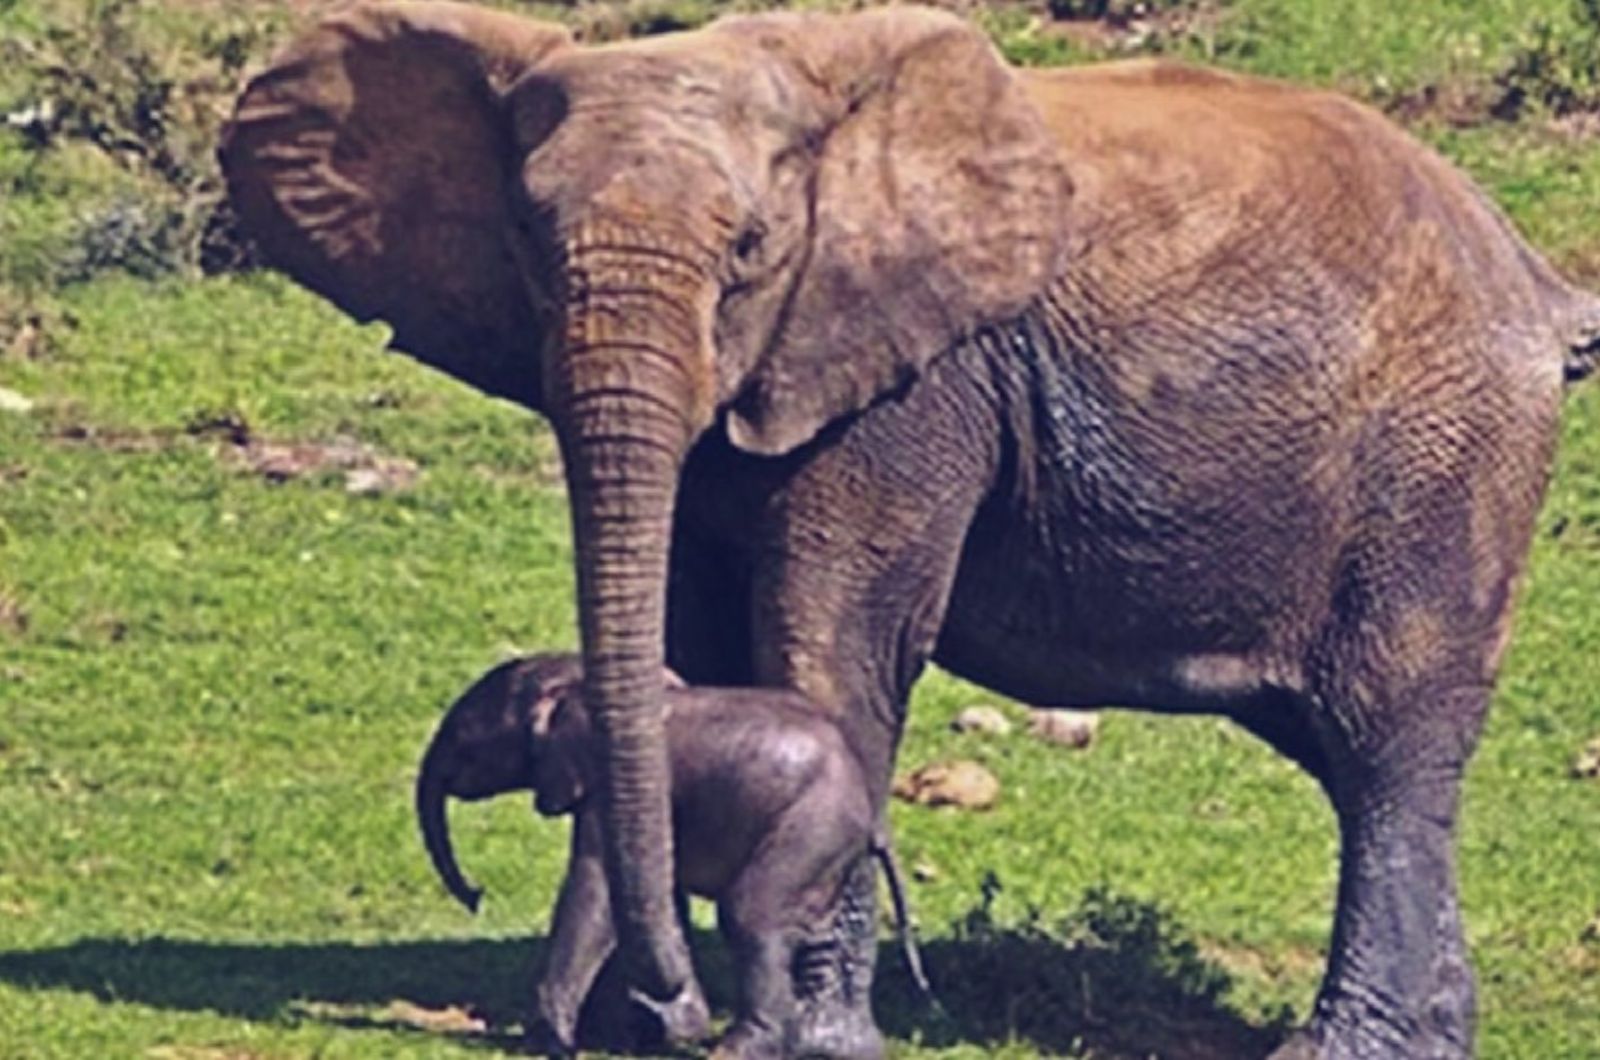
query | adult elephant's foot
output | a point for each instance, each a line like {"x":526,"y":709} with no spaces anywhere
{"x":684,"y":1020}
{"x":833,"y":987}
{"x":1322,"y":1042}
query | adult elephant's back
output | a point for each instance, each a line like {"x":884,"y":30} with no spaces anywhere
{"x":1294,"y":353}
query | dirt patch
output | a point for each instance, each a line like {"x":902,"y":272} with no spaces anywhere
{"x":116,"y":440}
{"x":13,"y":616}
{"x":363,"y":469}
{"x":401,"y":1014}
{"x":1462,"y":104}
{"x":1580,"y":126}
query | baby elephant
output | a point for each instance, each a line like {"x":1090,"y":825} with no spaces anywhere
{"x":769,"y":811}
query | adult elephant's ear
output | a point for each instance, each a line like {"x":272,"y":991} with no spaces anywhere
{"x":939,"y":208}
{"x":370,"y":162}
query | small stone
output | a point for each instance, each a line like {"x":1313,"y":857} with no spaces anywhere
{"x":1587,"y":765}
{"x":1066,"y":728}
{"x":924,"y":871}
{"x":11,"y":401}
{"x":962,"y":783}
{"x":983,"y":719}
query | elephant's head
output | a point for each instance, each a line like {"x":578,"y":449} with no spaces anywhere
{"x":513,"y":730}
{"x":769,"y":224}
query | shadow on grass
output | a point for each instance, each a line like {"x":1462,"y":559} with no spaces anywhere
{"x":1115,"y":978}
{"x":324,"y":981}
{"x":1112,"y":979}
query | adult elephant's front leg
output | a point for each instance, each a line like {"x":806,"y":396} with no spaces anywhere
{"x":869,"y":675}
{"x":850,"y":579}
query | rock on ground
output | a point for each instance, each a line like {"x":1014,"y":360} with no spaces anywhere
{"x":982,"y":719}
{"x":962,"y":783}
{"x":1067,"y":728}
{"x":1587,"y":764}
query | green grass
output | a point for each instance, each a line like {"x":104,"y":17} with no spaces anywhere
{"x":213,"y":689}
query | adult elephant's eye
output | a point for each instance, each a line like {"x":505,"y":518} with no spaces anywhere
{"x":748,"y":245}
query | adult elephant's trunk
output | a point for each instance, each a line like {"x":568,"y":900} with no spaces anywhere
{"x":631,"y":394}
{"x":431,"y":794}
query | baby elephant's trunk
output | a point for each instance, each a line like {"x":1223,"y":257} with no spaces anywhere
{"x":431,"y":794}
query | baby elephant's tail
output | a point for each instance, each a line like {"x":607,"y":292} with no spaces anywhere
{"x":884,"y":852}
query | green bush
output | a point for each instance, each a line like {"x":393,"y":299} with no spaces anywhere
{"x":111,"y":81}
{"x":1113,"y":10}
{"x":1557,"y":66}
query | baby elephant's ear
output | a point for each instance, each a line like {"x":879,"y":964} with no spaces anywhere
{"x":370,"y":162}
{"x":539,"y":714}
{"x":564,"y":766}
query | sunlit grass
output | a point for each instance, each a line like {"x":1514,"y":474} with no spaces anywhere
{"x":213,"y":690}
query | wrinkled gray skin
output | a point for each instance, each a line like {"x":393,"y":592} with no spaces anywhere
{"x":769,"y":813}
{"x":1133,"y":384}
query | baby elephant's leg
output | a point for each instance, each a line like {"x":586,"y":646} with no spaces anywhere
{"x":793,"y":881}
{"x":581,"y":939}
{"x":758,"y":932}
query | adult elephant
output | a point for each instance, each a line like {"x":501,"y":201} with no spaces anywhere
{"x":1131,"y":384}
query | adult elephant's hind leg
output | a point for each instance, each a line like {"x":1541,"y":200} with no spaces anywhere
{"x":1399,"y":985}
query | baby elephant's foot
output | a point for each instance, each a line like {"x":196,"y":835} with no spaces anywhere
{"x":747,"y":1041}
{"x":542,"y":1039}
{"x":684,"y":1020}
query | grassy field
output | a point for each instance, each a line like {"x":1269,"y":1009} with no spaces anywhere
{"x":214,"y":685}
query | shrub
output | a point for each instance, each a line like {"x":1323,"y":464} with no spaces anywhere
{"x":109,"y":80}
{"x":1556,"y":68}
{"x":1121,"y":11}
